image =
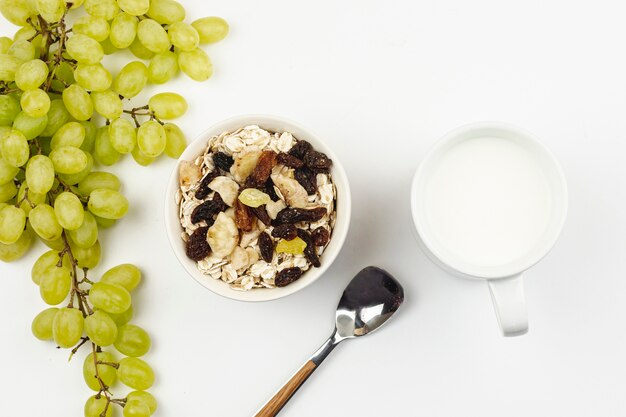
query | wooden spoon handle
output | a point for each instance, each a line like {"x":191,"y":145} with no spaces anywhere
{"x":283,"y":395}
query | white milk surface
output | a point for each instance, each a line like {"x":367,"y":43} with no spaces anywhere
{"x":488,"y":201}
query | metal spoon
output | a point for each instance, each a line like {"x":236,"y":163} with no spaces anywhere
{"x":368,"y":301}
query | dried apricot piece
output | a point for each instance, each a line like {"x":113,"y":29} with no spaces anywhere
{"x":294,"y":246}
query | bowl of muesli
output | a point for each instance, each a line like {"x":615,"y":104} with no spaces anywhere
{"x":257,"y":208}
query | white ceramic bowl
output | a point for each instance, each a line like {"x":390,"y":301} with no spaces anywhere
{"x":343,"y":208}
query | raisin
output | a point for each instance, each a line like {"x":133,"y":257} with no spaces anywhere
{"x":208,"y":209}
{"x":287,"y":276}
{"x":203,"y":190}
{"x":263,"y":167}
{"x":197,"y":247}
{"x":223,"y":161}
{"x":243,"y":217}
{"x":266,"y":247}
{"x":320,"y":236}
{"x":261,"y":214}
{"x":300,"y":149}
{"x":289,"y":160}
{"x":285,"y":231}
{"x":307,"y":179}
{"x":295,"y":215}
{"x":310,"y":252}
{"x":268,"y":188}
{"x":317,"y":161}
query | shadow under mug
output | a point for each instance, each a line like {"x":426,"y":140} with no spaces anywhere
{"x":503,"y":274}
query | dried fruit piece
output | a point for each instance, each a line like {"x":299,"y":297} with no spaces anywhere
{"x":266,"y":247}
{"x":307,"y":179}
{"x":203,"y":189}
{"x":310,"y":252}
{"x":197,"y":248}
{"x":268,"y":188}
{"x":188,"y":173}
{"x":252,"y":197}
{"x":223,"y":236}
{"x":287,"y":276}
{"x":294,"y":246}
{"x":261,"y":214}
{"x":226,"y":188}
{"x":245,"y":164}
{"x":285,"y":231}
{"x":317,"y":161}
{"x":244,"y":219}
{"x":295,"y":195}
{"x":300,"y":149}
{"x":320,"y":236}
{"x":223,"y":161}
{"x":239,"y":258}
{"x":208,"y":209}
{"x":289,"y":160}
{"x":274,"y":207}
{"x":296,"y":215}
{"x":263,"y":168}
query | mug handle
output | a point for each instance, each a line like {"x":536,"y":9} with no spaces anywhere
{"x":509,"y":303}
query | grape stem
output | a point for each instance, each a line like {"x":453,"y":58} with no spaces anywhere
{"x":52,"y":34}
{"x":142,"y":111}
{"x":25,"y":198}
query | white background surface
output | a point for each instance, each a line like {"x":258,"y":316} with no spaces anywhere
{"x":381,"y":81}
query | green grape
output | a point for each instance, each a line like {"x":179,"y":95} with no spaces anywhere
{"x":17,"y":11}
{"x":14,"y":148}
{"x":42,"y":324}
{"x":134,"y":7}
{"x":76,"y":4}
{"x":162,"y":67}
{"x":5,"y":44}
{"x":108,"y":204}
{"x":87,"y":234}
{"x":44,"y":222}
{"x":104,"y":151}
{"x":101,"y":328}
{"x":57,"y":244}
{"x":166,"y":12}
{"x":131,"y":79}
{"x":57,"y":117}
{"x":22,"y":50}
{"x":144,"y":397}
{"x":69,"y":210}
{"x":8,"y":66}
{"x":25,"y":33}
{"x":67,"y":327}
{"x":55,"y":285}
{"x":12,"y":222}
{"x":107,"y":104}
{"x":93,"y":77}
{"x":109,"y":297}
{"x":65,"y":73}
{"x":183,"y":36}
{"x":167,"y":105}
{"x":35,"y":103}
{"x":196,"y":64}
{"x":153,"y":36}
{"x":51,"y":10}
{"x":122,"y":135}
{"x":95,"y":27}
{"x":73,"y":179}
{"x":14,"y":251}
{"x":136,"y":48}
{"x":140,"y":158}
{"x":68,"y":160}
{"x":45,"y":261}
{"x":40,"y":174}
{"x":107,"y":373}
{"x":99,"y":179}
{"x":125,"y":275}
{"x":90,"y":136}
{"x":176,"y":142}
{"x":7,"y":191}
{"x":151,"y":138}
{"x":31,"y":127}
{"x":84,"y":49}
{"x":211,"y":29}
{"x":33,"y":197}
{"x":108,"y":48}
{"x":102,"y":8}
{"x":78,"y":102}
{"x":95,"y":406}
{"x":122,"y":318}
{"x":3,"y":131}
{"x":70,"y":134}
{"x":135,"y":408}
{"x":31,"y":74}
{"x":9,"y":109}
{"x":123,"y":30}
{"x":135,"y":373}
{"x":87,"y":258}
{"x":132,"y":341}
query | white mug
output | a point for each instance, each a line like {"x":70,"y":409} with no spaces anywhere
{"x":488,"y":202}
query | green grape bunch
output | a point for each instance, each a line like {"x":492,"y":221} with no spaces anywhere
{"x":63,"y":116}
